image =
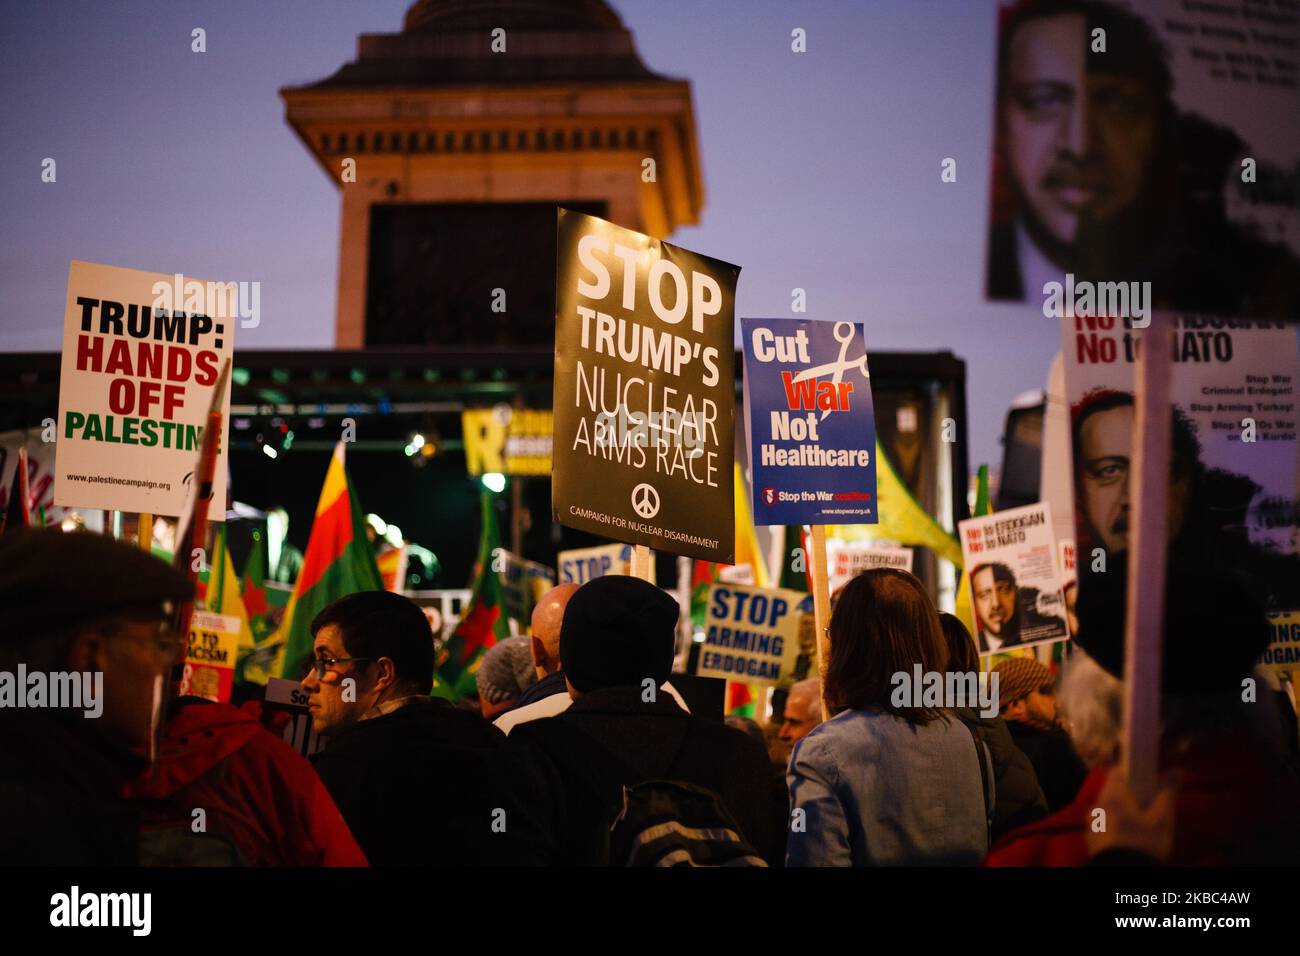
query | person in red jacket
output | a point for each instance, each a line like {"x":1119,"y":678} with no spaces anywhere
{"x":227,"y":792}
{"x":1236,"y":797}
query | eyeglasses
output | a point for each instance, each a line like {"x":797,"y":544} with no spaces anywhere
{"x":166,"y":643}
{"x":321,"y":665}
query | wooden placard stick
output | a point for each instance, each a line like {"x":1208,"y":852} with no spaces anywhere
{"x":1147,"y":556}
{"x":643,"y":563}
{"x":821,"y":607}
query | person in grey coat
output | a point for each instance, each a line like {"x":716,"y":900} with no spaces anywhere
{"x":1020,"y":799}
{"x":886,"y":781}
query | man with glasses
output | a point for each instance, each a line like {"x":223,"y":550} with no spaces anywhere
{"x":417,"y":778}
{"x":98,"y":612}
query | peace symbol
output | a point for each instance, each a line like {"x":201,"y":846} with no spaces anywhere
{"x":645,"y":500}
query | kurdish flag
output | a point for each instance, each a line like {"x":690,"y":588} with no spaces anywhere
{"x":482,"y":623}
{"x":338,"y":562}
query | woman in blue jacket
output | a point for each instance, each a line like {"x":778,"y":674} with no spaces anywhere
{"x":887,"y":780}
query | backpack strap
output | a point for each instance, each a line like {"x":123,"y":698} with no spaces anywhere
{"x":984,"y":782}
{"x":683,"y":764}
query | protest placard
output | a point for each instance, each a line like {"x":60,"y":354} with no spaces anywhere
{"x":845,"y":560}
{"x":510,"y":441}
{"x":135,"y":389}
{"x":1282,"y":656}
{"x":522,"y":585}
{"x":1175,"y":187}
{"x":1066,"y":567}
{"x":1234,"y":473}
{"x":210,"y":657}
{"x":808,"y":413}
{"x":644,"y":391}
{"x":40,"y":471}
{"x":812,"y":435}
{"x":585,"y":564}
{"x":750,"y":634}
{"x":1015,"y":589}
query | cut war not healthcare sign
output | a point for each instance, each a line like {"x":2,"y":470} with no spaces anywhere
{"x":136,"y":383}
{"x":644,"y":398}
{"x":750,"y":634}
{"x":812,"y":431}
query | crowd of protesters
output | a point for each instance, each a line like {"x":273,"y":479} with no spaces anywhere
{"x":580,"y":751}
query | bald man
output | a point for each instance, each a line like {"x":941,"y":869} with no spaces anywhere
{"x":550,"y":695}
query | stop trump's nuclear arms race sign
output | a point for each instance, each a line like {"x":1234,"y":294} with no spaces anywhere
{"x":644,"y":390}
{"x":141,"y":354}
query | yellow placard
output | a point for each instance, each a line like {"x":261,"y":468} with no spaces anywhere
{"x":510,"y":441}
{"x":1283,"y":653}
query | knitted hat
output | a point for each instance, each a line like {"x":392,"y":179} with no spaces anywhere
{"x":1018,"y":677}
{"x":618,"y":631}
{"x":506,"y":670}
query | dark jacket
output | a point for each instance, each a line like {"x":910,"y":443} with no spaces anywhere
{"x":569,"y":781}
{"x":1235,"y":806}
{"x":60,"y":793}
{"x":419,"y":786}
{"x":263,"y":804}
{"x":1059,"y":769}
{"x":1020,"y":799}
{"x":546,"y":687}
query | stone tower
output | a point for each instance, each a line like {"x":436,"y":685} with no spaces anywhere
{"x":466,"y":130}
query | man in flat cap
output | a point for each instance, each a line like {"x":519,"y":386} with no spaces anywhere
{"x":86,"y":645}
{"x":617,"y":643}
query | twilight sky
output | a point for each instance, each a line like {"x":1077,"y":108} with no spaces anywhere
{"x":821,"y":169}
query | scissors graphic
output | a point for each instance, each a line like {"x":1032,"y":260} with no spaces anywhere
{"x":836,"y":369}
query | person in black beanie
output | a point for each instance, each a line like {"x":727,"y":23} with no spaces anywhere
{"x":622,"y":729}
